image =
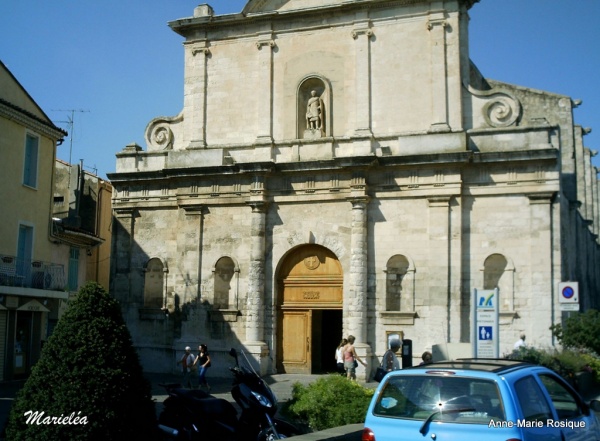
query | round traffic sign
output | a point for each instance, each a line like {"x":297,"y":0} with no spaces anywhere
{"x":568,"y":292}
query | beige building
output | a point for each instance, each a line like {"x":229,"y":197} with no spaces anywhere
{"x":44,"y":247}
{"x":342,"y":167}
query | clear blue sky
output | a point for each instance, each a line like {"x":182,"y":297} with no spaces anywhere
{"x":118,"y":64}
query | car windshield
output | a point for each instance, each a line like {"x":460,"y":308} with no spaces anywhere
{"x":450,"y":398}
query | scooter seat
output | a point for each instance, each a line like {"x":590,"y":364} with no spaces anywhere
{"x":201,"y":403}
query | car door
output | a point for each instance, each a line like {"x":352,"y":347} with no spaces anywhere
{"x":535,"y":411}
{"x":570,"y":411}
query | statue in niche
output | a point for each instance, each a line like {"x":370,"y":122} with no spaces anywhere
{"x":314,"y":112}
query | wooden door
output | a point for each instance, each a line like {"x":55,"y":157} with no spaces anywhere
{"x":296,"y":338}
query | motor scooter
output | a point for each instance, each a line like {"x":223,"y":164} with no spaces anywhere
{"x":195,"y":414}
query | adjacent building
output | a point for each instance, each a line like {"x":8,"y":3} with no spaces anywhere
{"x":49,"y":235}
{"x":342,"y":167}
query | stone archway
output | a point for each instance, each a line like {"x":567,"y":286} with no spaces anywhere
{"x":310,"y":286}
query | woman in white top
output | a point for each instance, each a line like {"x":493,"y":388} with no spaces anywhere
{"x":339,"y":356}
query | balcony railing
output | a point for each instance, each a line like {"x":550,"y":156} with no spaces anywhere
{"x":31,"y":273}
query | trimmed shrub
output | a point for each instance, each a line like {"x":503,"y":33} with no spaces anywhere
{"x":331,"y":401}
{"x":88,"y":378}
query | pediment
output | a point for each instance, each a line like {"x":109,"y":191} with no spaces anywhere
{"x":265,"y":6}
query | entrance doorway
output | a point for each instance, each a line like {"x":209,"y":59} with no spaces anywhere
{"x":310,"y":302}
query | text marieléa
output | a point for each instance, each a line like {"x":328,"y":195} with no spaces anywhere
{"x":39,"y":418}
{"x":564,"y":424}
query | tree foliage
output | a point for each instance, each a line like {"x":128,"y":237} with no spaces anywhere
{"x":88,"y":369}
{"x":580,"y":331}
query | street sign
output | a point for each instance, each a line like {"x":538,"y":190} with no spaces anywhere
{"x":485,"y":336}
{"x":569,"y":306}
{"x":568,"y":292}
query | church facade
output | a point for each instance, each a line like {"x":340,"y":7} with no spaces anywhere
{"x":343,"y":168}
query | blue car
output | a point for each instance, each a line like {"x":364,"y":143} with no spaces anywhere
{"x":480,"y":400}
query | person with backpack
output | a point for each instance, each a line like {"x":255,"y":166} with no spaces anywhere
{"x":187,"y":364}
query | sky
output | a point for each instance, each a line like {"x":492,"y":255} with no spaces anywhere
{"x":102,"y":70}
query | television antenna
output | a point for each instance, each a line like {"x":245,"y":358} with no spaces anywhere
{"x":71,"y":125}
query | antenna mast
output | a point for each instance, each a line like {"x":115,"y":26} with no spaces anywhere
{"x":71,"y":124}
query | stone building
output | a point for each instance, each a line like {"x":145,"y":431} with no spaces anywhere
{"x":342,"y":167}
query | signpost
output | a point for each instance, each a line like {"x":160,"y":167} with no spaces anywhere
{"x":485,"y":335}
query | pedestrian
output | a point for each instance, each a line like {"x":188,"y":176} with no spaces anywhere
{"x":427,"y":358}
{"x":520,"y":342}
{"x":339,"y":356}
{"x":187,"y":363}
{"x":390,"y":360}
{"x":203,"y":363}
{"x":351,"y":358}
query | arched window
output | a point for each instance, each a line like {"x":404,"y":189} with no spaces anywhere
{"x":154,"y":283}
{"x":498,"y":272}
{"x":396,"y":270}
{"x":494,"y":270}
{"x":223,"y":276}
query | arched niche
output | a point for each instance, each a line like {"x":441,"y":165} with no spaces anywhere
{"x":314,"y":91}
{"x":154,"y":282}
{"x":225,"y":274}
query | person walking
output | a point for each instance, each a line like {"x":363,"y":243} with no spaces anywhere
{"x":390,"y":361}
{"x":339,"y":356}
{"x":187,"y":363}
{"x":203,"y":363}
{"x":351,"y":358}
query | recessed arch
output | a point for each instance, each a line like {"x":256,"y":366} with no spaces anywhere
{"x":314,"y":86}
{"x":309,"y":301}
{"x":154,"y":283}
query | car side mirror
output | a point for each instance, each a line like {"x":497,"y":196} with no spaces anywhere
{"x":595,"y":405}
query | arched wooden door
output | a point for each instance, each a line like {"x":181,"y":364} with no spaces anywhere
{"x":310,"y":283}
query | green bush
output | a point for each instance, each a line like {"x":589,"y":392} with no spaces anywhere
{"x":88,"y":369}
{"x":567,"y":363}
{"x":580,"y":331}
{"x":330,"y":401}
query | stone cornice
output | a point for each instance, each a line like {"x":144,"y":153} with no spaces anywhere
{"x":188,"y":26}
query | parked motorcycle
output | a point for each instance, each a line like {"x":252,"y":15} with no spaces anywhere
{"x":195,"y":414}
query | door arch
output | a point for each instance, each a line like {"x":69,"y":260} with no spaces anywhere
{"x":310,"y":287}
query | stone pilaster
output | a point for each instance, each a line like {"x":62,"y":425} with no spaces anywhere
{"x":255,"y":305}
{"x":357,"y":305}
{"x":194,"y":99}
{"x":439,"y":91}
{"x":438,"y":282}
{"x":543,"y":292}
{"x":362,"y":34}
{"x":123,"y":239}
{"x":189,"y":246}
{"x":265,"y":45}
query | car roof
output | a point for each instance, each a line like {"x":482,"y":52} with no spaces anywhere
{"x":494,"y":365}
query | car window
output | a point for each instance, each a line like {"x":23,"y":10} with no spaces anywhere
{"x":532,"y":401}
{"x":457,"y":399}
{"x":565,"y":403}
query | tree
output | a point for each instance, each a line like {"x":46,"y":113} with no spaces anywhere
{"x":88,"y":383}
{"x":580,"y":331}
